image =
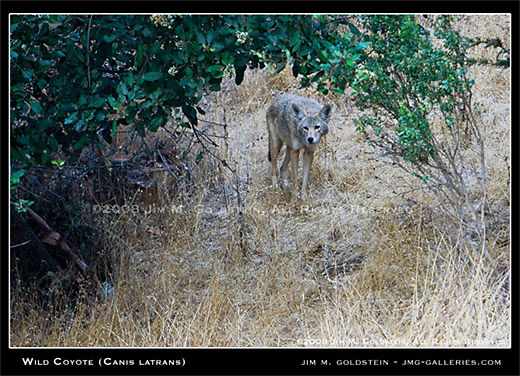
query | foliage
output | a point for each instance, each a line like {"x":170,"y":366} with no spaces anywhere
{"x":416,"y":96}
{"x":21,"y":205}
{"x":14,"y":180}
{"x":403,"y":78}
{"x":74,"y":79}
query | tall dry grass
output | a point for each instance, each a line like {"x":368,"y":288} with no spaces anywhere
{"x":227,"y":261}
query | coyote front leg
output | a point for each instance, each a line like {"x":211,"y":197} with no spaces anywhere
{"x":295,"y":156}
{"x":308,"y":157}
{"x":285,"y":163}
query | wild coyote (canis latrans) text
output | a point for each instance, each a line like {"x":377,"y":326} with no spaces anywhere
{"x":299,"y":123}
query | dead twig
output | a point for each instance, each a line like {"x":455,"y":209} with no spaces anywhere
{"x":167,"y":166}
{"x":55,"y":239}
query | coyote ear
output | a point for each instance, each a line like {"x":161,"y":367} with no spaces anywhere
{"x":297,"y":111}
{"x":325,"y":112}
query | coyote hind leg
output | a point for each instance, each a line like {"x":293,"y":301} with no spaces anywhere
{"x":275,"y":144}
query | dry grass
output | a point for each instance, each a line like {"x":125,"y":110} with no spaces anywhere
{"x":232,"y":263}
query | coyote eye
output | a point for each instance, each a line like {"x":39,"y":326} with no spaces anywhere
{"x":305,"y":128}
{"x":317,"y":127}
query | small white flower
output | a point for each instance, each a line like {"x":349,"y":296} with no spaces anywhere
{"x":173,"y":70}
{"x":241,"y":36}
{"x":229,"y":70}
{"x":163,"y":20}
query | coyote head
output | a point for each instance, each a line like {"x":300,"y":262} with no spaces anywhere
{"x":312,"y":127}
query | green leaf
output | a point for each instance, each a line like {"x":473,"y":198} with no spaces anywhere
{"x":27,"y":75}
{"x":109,"y":38}
{"x":190,"y":113}
{"x":328,"y":46}
{"x":58,"y":54}
{"x":24,"y":140}
{"x":80,"y":126}
{"x":153,"y":50}
{"x":36,"y":107}
{"x":130,"y":113}
{"x":145,"y":104}
{"x":322,"y":56}
{"x":156,"y":123}
{"x":44,"y":124}
{"x":354,"y":57}
{"x":71,"y":118}
{"x":225,"y":57}
{"x":97,"y":102}
{"x":156,"y":94}
{"x":114,"y":128}
{"x":213,"y":69}
{"x":295,"y":38}
{"x":129,"y":79}
{"x":83,"y":141}
{"x":152,"y":76}
{"x":15,"y":178}
{"x":112,"y":102}
{"x":122,"y":89}
{"x":53,"y":144}
{"x":322,"y":88}
{"x":100,"y":116}
{"x":361,"y":45}
{"x":138,"y":56}
{"x":41,"y":83}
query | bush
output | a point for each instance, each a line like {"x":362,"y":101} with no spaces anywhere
{"x":416,"y":94}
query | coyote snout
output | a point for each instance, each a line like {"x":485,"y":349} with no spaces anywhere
{"x":299,"y":123}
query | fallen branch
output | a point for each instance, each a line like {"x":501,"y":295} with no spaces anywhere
{"x":55,"y":239}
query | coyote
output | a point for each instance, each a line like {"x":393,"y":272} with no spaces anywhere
{"x":298,"y":123}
